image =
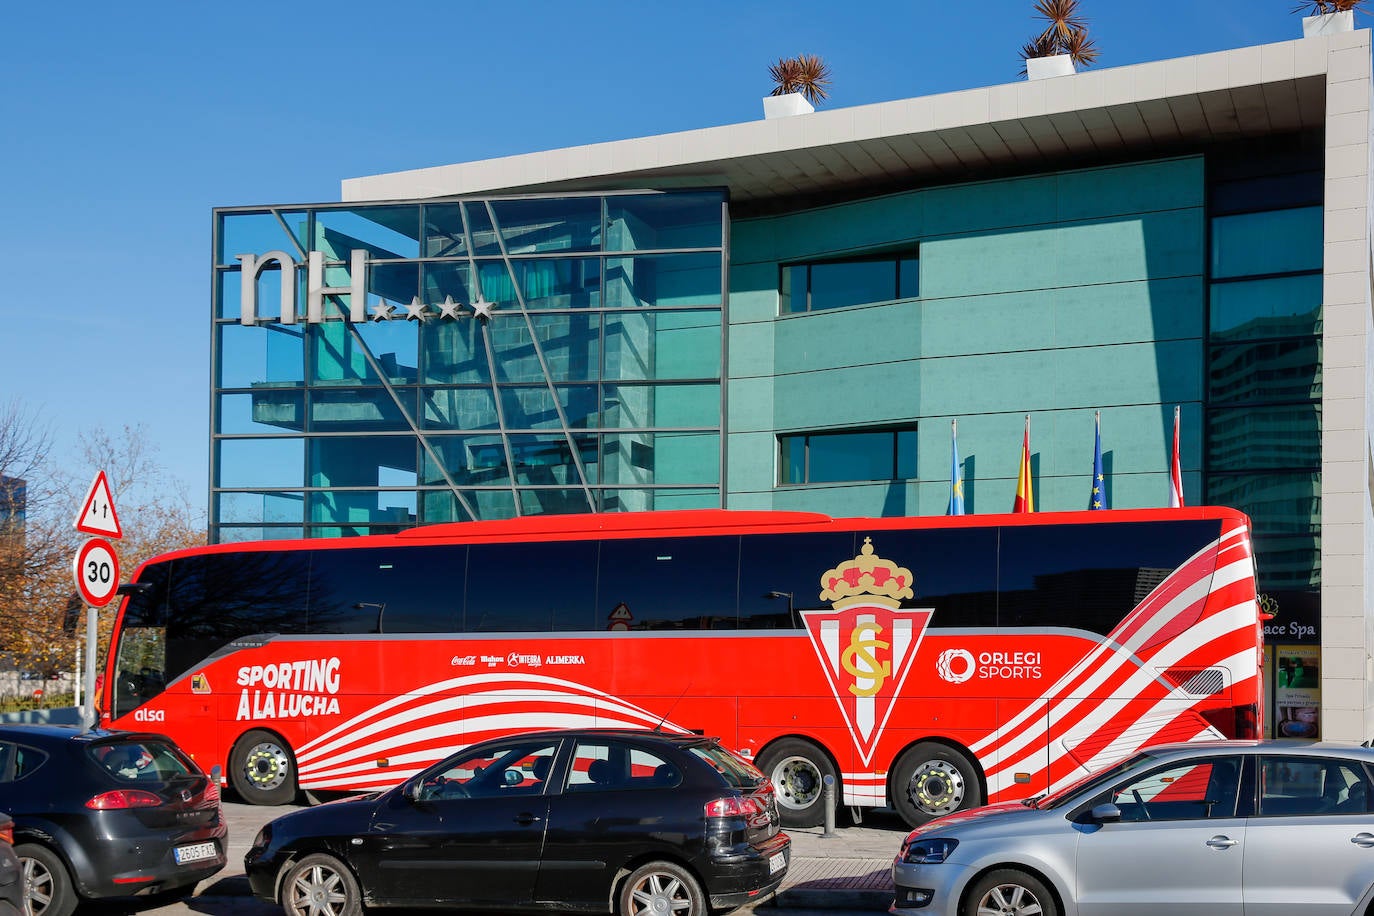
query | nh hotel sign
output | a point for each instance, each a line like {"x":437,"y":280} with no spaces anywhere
{"x":316,"y":292}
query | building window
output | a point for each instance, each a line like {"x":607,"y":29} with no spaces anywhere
{"x":818,"y":285}
{"x":886,"y":454}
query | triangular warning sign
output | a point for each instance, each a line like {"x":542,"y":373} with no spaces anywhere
{"x":97,"y":515}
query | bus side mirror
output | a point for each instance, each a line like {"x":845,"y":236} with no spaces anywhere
{"x":1106,"y":813}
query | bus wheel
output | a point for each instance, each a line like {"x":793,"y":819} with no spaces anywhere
{"x":262,"y":769}
{"x":798,"y":769}
{"x":932,"y":779}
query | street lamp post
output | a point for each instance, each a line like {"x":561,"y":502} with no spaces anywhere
{"x":381,"y":610}
{"x":791,"y":614}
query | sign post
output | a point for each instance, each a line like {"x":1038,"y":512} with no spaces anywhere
{"x":95,"y":569}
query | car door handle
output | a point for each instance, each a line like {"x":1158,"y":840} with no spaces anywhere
{"x":1221,"y":841}
{"x":526,"y":819}
{"x":1365,"y":840}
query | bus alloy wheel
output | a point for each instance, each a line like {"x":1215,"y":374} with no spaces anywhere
{"x":797,"y":770}
{"x":931,"y":779}
{"x":262,"y":769}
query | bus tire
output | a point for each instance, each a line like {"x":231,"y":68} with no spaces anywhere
{"x":798,"y":769}
{"x":931,"y":779}
{"x":263,"y":769}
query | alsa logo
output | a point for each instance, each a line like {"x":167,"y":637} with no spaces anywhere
{"x":150,"y":715}
{"x":867,"y":643}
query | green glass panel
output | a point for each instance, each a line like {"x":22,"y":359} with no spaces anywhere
{"x":1271,"y":242}
{"x":792,"y":294}
{"x":567,"y":501}
{"x":534,"y":407}
{"x":458,"y":408}
{"x":364,"y":507}
{"x":635,"y":406}
{"x":792,"y":459}
{"x":1253,"y":438}
{"x":661,"y":458}
{"x":664,"y":345}
{"x":547,"y":460}
{"x":444,"y":236}
{"x":559,"y":283}
{"x":544,"y":224}
{"x":470,"y":461}
{"x":235,"y":534}
{"x":842,"y":283}
{"x":663,"y":280}
{"x":1276,"y":307}
{"x":448,"y":280}
{"x":360,"y":461}
{"x":360,"y":409}
{"x":1277,"y":370}
{"x":383,"y":232}
{"x":264,"y":411}
{"x":269,"y":507}
{"x":398,"y":284}
{"x":689,"y":219}
{"x":455,"y":352}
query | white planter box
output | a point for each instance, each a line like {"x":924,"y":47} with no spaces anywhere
{"x":1039,"y":68}
{"x":1328,"y":24}
{"x":784,"y":106}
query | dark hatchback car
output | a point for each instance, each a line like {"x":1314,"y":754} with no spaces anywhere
{"x":598,"y":820}
{"x":11,"y":879}
{"x":100,"y":814}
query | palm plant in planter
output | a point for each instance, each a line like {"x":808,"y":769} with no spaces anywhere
{"x":1326,"y":17}
{"x":800,"y":83}
{"x":1062,"y":44}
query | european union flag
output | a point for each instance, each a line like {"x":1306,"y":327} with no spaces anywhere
{"x":1099,"y":497}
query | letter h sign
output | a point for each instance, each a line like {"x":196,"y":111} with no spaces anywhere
{"x":315,"y":289}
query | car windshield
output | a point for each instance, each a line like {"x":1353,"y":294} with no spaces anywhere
{"x":737,"y":773}
{"x":147,"y":761}
{"x":1090,"y":782}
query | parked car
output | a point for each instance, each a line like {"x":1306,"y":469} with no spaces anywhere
{"x":1214,"y":827}
{"x":603,"y":820}
{"x":11,"y":875}
{"x":102,"y":814}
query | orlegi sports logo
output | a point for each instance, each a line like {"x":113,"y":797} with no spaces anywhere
{"x":955,"y":665}
{"x":959,"y":665}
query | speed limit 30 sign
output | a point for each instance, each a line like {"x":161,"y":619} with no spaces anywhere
{"x":96,"y":570}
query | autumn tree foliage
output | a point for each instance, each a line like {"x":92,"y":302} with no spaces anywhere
{"x":42,"y":619}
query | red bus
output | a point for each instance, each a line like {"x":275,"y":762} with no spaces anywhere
{"x":927,"y":664}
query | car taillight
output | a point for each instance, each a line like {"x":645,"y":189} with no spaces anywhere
{"x":733,"y":806}
{"x":123,"y":798}
{"x":7,"y":833}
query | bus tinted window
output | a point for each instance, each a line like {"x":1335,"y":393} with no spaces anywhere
{"x":1089,"y":577}
{"x":779,"y":573}
{"x":529,"y":587}
{"x":387,"y":589}
{"x":671,"y":583}
{"x":214,"y":599}
{"x":954,"y":571}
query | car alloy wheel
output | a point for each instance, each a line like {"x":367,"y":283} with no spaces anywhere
{"x":321,"y":885}
{"x":662,"y":889}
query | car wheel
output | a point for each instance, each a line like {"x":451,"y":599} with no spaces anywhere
{"x":321,"y":885}
{"x":48,"y":888}
{"x":798,"y":769}
{"x":262,"y":769}
{"x":930,"y":780}
{"x":1011,"y":892}
{"x":661,"y":887}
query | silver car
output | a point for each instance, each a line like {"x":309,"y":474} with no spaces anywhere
{"x":1218,"y":828}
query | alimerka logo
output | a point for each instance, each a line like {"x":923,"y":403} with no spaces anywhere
{"x":866,"y":644}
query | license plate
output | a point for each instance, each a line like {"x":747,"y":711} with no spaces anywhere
{"x":184,"y":854}
{"x":777,"y":862}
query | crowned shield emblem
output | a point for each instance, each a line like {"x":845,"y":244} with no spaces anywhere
{"x":866,"y":643}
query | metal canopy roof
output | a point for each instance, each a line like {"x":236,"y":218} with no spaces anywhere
{"x":1143,"y":110}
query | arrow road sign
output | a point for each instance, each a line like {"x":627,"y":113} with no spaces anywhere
{"x":97,"y":515}
{"x":96,"y":571}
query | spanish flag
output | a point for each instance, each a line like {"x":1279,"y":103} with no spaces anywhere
{"x":1025,"y":492}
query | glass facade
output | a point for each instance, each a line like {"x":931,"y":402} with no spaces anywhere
{"x":380,"y":366}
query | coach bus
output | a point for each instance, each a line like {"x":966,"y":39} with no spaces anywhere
{"x":927,"y":664}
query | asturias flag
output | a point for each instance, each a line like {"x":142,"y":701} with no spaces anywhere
{"x":1099,"y":496}
{"x":956,"y":479}
{"x":1025,"y":493}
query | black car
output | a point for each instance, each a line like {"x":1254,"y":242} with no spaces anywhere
{"x":11,"y":875}
{"x":597,"y":820}
{"x":101,"y":814}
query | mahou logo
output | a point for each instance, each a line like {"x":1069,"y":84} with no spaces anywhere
{"x":866,"y":644}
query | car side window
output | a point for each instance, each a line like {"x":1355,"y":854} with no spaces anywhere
{"x":1295,"y":786}
{"x":1191,"y":790}
{"x":521,"y":768}
{"x":607,"y":765}
{"x":6,"y":761}
{"x":25,"y":761}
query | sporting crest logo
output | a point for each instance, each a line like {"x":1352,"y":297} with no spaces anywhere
{"x":867,"y":643}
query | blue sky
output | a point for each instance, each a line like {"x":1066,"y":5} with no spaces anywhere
{"x":124,"y":124}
